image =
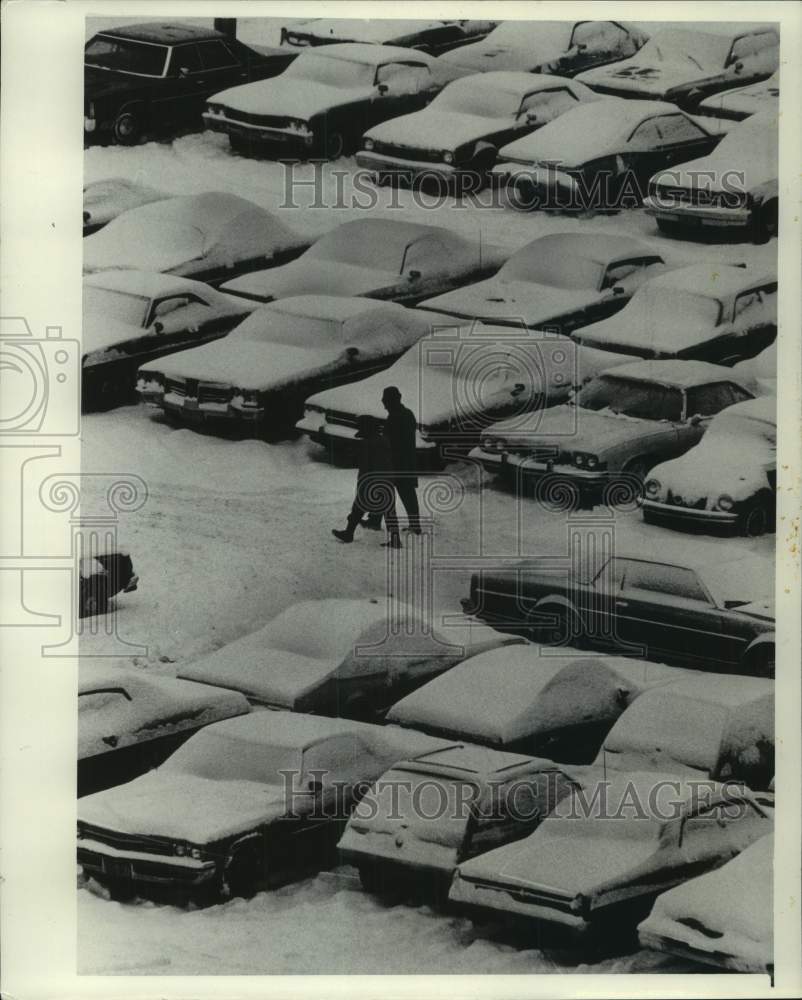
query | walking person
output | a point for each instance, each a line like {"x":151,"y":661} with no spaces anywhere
{"x":401,"y":429}
{"x":374,"y":486}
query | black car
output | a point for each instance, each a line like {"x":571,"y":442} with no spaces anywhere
{"x":432,"y":37}
{"x":709,"y":611}
{"x":142,"y":76}
{"x":101,"y":575}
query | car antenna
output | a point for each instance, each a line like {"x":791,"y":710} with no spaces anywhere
{"x":604,"y":763}
{"x":480,"y":247}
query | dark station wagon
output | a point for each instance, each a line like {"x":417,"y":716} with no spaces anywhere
{"x":141,"y":76}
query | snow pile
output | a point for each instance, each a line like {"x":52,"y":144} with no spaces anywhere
{"x":724,"y":917}
{"x":118,"y":708}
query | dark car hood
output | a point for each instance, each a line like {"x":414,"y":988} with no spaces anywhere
{"x":100,"y":83}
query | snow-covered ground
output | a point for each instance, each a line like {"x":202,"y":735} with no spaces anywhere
{"x":235,"y":531}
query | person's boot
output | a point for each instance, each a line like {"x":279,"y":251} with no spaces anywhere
{"x":414,"y":528}
{"x":393,"y":542}
{"x":372,"y":523}
{"x":343,"y":534}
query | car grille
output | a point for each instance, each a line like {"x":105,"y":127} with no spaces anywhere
{"x":554,"y":900}
{"x":211,"y":393}
{"x":248,"y":118}
{"x":338,"y":417}
{"x":701,"y":197}
{"x":176,"y":386}
{"x":408,"y":152}
{"x":678,"y":501}
{"x":127,"y":841}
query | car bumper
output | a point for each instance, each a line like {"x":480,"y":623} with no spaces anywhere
{"x":192,"y":411}
{"x":256,"y":132}
{"x":498,"y":897}
{"x":500,"y":461}
{"x":684,"y":950}
{"x":321,"y":432}
{"x":106,"y":862}
{"x":383,"y":164}
{"x":670,"y":514}
{"x":697,"y":215}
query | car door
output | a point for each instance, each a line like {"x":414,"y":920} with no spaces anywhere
{"x":713,"y":834}
{"x":666,"y":609}
{"x":641,"y":154}
{"x":753,"y":326}
{"x":681,"y":140}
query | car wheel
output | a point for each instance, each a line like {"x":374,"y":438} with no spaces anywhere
{"x":334,"y":143}
{"x":765,"y":224}
{"x":239,"y":144}
{"x":242,"y":872}
{"x":121,"y":890}
{"x":754,"y":519}
{"x":380,"y":882}
{"x":760,"y":662}
{"x":565,"y":629}
{"x":94,"y":597}
{"x":127,"y":128}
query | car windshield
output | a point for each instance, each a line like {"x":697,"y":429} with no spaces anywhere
{"x":740,"y":582}
{"x":377,"y":247}
{"x":125,"y":56}
{"x":421,"y":800}
{"x":122,"y":306}
{"x":632,"y":398}
{"x":745,"y":432}
{"x":225,"y":757}
{"x":700,"y":48}
{"x":331,"y":71}
{"x":471,"y":95}
{"x":568,"y":270}
{"x":270,"y":326}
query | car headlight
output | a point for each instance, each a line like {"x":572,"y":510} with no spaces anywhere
{"x":368,"y":144}
{"x":652,"y":487}
{"x":579,"y":904}
{"x":180,"y":850}
{"x":725,"y":502}
{"x":583,"y":460}
{"x":196,"y":853}
{"x":579,"y":459}
{"x":448,"y":157}
{"x":313,"y":408}
{"x":80,"y":831}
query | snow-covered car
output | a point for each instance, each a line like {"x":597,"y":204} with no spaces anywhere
{"x":564,"y":47}
{"x":693,"y":313}
{"x":260,"y":375}
{"x":456,"y":380}
{"x":738,"y":104}
{"x":710,"y":608}
{"x":716,"y":726}
{"x":105,"y":200}
{"x":728,"y":482}
{"x":525,"y":700}
{"x":360,"y":657}
{"x":424,"y":816}
{"x":381,"y":258}
{"x":325,"y":100}
{"x":138,"y":77}
{"x":557,"y":282}
{"x":210,"y":237}
{"x":590,"y":868}
{"x":245,"y":800}
{"x":623,"y":422}
{"x":732,"y":189}
{"x":432,"y":37}
{"x":761,"y":370}
{"x":685,"y":65}
{"x":459,"y":133}
{"x":130,"y":721}
{"x":135,"y":316}
{"x":600,"y":155}
{"x":106,"y":570}
{"x":723,"y":918}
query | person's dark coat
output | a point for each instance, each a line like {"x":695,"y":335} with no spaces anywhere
{"x":400,"y":428}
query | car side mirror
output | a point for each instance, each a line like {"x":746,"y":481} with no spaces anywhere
{"x":382,"y":88}
{"x":738,"y":67}
{"x":158,"y":327}
{"x":581,"y":47}
{"x":351,"y":353}
{"x":414,"y":275}
{"x":618,"y":289}
{"x":695,"y":420}
{"x":531,"y":117}
{"x":183,"y":72}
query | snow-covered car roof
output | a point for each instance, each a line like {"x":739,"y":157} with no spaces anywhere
{"x":763,"y":408}
{"x":678,"y":374}
{"x":373,"y":30}
{"x":368,"y":53}
{"x":512,"y":693}
{"x":700,"y":918}
{"x":600,"y":248}
{"x":166,"y":234}
{"x":587,"y":131}
{"x":151,"y":284}
{"x":708,"y":43}
{"x":714,"y":723}
{"x":136,"y":706}
{"x":313,"y":641}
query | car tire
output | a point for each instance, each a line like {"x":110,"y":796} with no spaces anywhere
{"x":379,"y":881}
{"x":240,"y":145}
{"x":754,"y":519}
{"x":765,"y":223}
{"x":567,"y":626}
{"x":121,"y":890}
{"x":333,"y":143}
{"x":127,"y":127}
{"x":242,"y":872}
{"x":94,"y":597}
{"x":669,"y":228}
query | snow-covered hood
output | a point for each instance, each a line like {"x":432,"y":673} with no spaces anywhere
{"x":183,"y":806}
{"x":654,"y":338}
{"x":745,"y":102}
{"x":485,"y":57}
{"x":707,"y":471}
{"x":311,"y":277}
{"x":554,"y":859}
{"x":637,"y":76}
{"x":509,"y":301}
{"x":547,"y":146}
{"x":292,"y":98}
{"x":597,"y":430}
{"x":101,"y":333}
{"x":248,"y":364}
{"x":433,"y":129}
{"x":763,"y":609}
{"x":758,"y":167}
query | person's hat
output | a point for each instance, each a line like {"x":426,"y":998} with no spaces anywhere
{"x":391,"y":392}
